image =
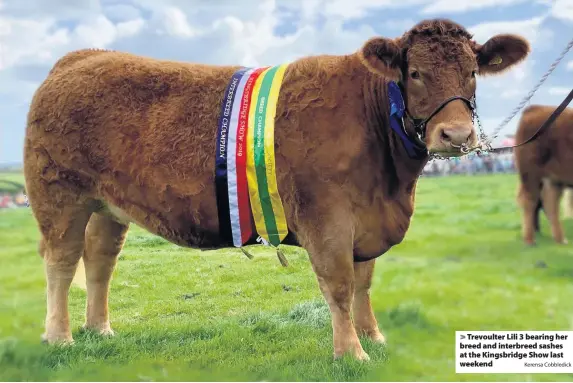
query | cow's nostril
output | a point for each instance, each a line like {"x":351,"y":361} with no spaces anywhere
{"x":444,"y":136}
{"x":456,"y":136}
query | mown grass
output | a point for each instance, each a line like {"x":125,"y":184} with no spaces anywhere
{"x":181,"y":314}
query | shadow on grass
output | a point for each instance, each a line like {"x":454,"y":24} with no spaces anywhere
{"x":314,"y":314}
{"x":405,"y":315}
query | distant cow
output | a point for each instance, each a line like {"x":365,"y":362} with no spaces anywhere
{"x":544,"y":169}
{"x":114,"y":138}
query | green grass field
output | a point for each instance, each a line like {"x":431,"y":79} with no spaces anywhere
{"x":11,"y":182}
{"x":180,"y":314}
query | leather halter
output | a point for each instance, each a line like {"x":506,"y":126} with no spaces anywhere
{"x":420,"y":124}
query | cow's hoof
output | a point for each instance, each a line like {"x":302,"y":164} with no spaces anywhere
{"x":108,"y":332}
{"x":362,"y":356}
{"x":374,"y":335}
{"x":378,"y":338}
{"x":57,"y":340}
{"x":529,"y":243}
{"x":564,"y":241}
{"x":359,"y":355}
{"x":104,"y":331}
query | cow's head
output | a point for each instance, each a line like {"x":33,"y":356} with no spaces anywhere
{"x":437,"y":60}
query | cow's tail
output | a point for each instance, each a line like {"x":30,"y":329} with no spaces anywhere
{"x":538,"y":209}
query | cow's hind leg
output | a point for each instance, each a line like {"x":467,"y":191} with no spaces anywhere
{"x":364,"y":320}
{"x":528,"y":197}
{"x":61,"y":246}
{"x":104,"y":240}
{"x":536,"y":215}
{"x":551,"y":196}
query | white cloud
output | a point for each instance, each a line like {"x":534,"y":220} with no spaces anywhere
{"x":42,"y":41}
{"x":562,"y":9}
{"x":346,"y":9}
{"x":309,"y":10}
{"x":399,"y":25}
{"x":60,"y":9}
{"x":559,"y":91}
{"x":129,"y":28}
{"x":354,"y":9}
{"x":98,"y":32}
{"x":28,"y":40}
{"x":570,"y":65}
{"x":510,"y":93}
{"x":529,"y":29}
{"x":176,"y":23}
{"x":459,"y":6}
{"x":121,"y":12}
{"x":19,"y":91}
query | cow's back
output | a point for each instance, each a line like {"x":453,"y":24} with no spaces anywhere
{"x":139,"y":134}
{"x":134,"y":132}
{"x":550,"y":154}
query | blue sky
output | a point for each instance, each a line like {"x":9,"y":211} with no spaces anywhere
{"x":35,"y":33}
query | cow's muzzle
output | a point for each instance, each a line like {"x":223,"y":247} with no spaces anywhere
{"x":421,"y":123}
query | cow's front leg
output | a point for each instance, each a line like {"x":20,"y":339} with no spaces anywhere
{"x":364,"y":319}
{"x":332,"y":262}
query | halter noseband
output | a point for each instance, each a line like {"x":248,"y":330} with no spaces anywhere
{"x":420,"y":123}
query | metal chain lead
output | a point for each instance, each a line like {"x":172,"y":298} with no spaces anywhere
{"x":464,"y":149}
{"x":485,"y":143}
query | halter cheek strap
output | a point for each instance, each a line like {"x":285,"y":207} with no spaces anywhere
{"x":415,"y":147}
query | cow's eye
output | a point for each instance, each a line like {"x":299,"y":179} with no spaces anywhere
{"x":473,"y":74}
{"x":415,"y":75}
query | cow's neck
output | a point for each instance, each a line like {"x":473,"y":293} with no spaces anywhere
{"x":393,"y":159}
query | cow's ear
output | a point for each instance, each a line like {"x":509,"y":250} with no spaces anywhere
{"x":500,"y":53}
{"x":382,"y":56}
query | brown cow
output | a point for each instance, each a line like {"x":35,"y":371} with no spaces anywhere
{"x":543,"y":169}
{"x":114,"y":138}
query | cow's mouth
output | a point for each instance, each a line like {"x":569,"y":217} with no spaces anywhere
{"x":462,"y":148}
{"x":452,"y":150}
{"x":447,"y":153}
